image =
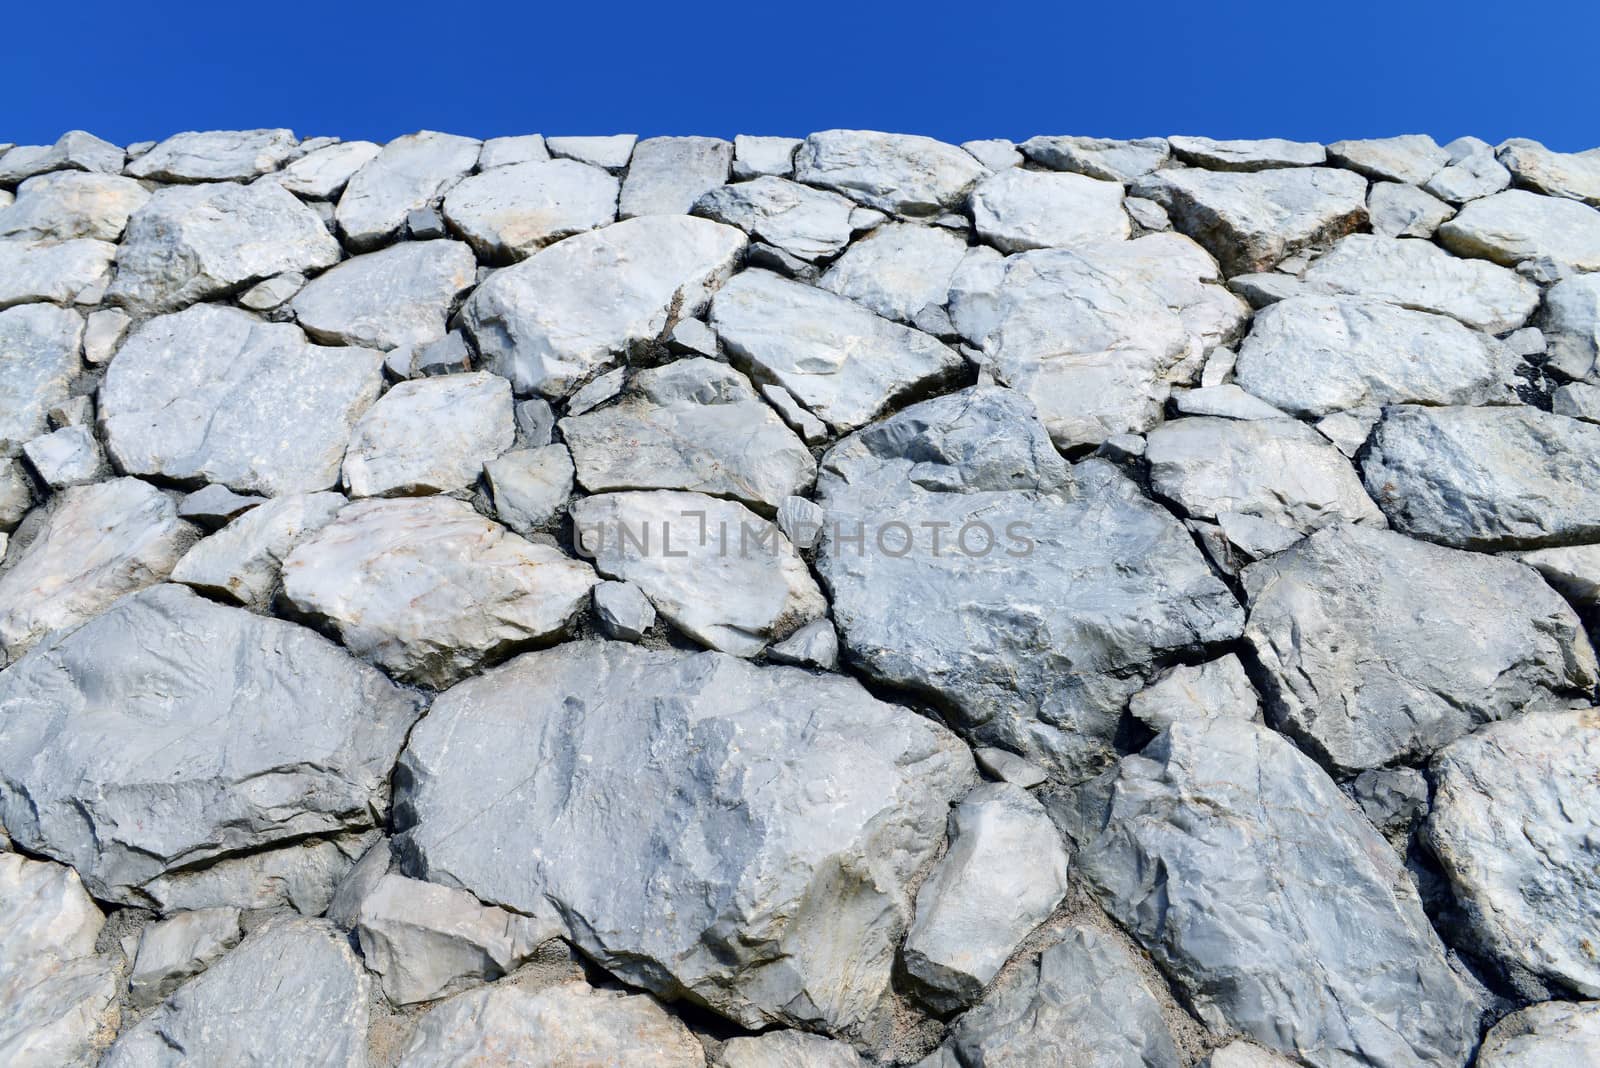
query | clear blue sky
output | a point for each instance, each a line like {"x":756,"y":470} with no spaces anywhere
{"x":983,"y":68}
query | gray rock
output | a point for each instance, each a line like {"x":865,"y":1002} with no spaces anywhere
{"x":1215,"y":847}
{"x":95,"y":544}
{"x":74,"y":150}
{"x":903,"y":174}
{"x":1265,"y":288}
{"x":668,"y":174}
{"x":1392,"y":798}
{"x":60,"y":998}
{"x":215,"y":156}
{"x":323,"y":174}
{"x":241,"y":562}
{"x":838,"y":359}
{"x":801,"y":521}
{"x":535,"y":421}
{"x":67,"y":205}
{"x":1226,"y":401}
{"x":1361,"y":676}
{"x":428,"y":589}
{"x":694,"y":337}
{"x":214,"y":505}
{"x":717,"y":571}
{"x":787,"y":1049}
{"x":1574,"y":571}
{"x":811,"y":429}
{"x":506,"y":151}
{"x":529,"y":487}
{"x":292,"y":993}
{"x":64,"y":272}
{"x":1472,"y":176}
{"x":1399,"y":210}
{"x":1008,"y":767}
{"x":1412,"y":158}
{"x":623,"y":610}
{"x":38,"y":361}
{"x":814,"y":645}
{"x":16,"y":494}
{"x":1575,"y":175}
{"x":1554,"y":1033}
{"x":1051,"y":589}
{"x":1487,"y":478}
{"x":717,"y":763}
{"x":1005,"y":872}
{"x":272,"y":293}
{"x":1082,"y":1001}
{"x":1017,"y":210}
{"x":1192,"y":692}
{"x":102,"y":334}
{"x":362,"y":878}
{"x":193,"y":243}
{"x":509,"y":213}
{"x":1314,"y":355}
{"x":995,"y":153}
{"x":810,"y":224}
{"x":1277,"y":469}
{"x":448,"y":355}
{"x":425,"y":224}
{"x":396,"y":296}
{"x":1571,"y":326}
{"x":109,"y":757}
{"x":556,"y":1027}
{"x":901,"y":271}
{"x":67,"y":457}
{"x":1513,"y":811}
{"x":1518,"y":225}
{"x":1247,"y":155}
{"x":758,"y":157}
{"x":691,"y":425}
{"x":1147,"y":213}
{"x":215,"y":395}
{"x":1251,"y":221}
{"x":301,"y":876}
{"x":553,"y":320}
{"x":175,"y":950}
{"x":1239,"y":1054}
{"x":597,"y":391}
{"x":430,"y":435}
{"x":1098,"y":157}
{"x":424,"y":940}
{"x":411,"y":172}
{"x":609,"y":153}
{"x":1421,"y":276}
{"x":76,"y":410}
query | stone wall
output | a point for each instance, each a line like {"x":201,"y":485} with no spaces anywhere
{"x":859,"y":600}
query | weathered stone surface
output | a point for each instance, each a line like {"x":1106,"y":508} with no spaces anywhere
{"x":1518,"y":225}
{"x":668,"y":174}
{"x":1247,"y":155}
{"x":786,"y":1049}
{"x":74,"y":150}
{"x":214,"y":505}
{"x":758,"y":157}
{"x":1512,"y":825}
{"x":291,"y":994}
{"x":240,"y":563}
{"x":1225,"y":401}
{"x":66,"y":205}
{"x":610,"y":153}
{"x":550,"y":322}
{"x":1197,"y":692}
{"x":177,"y":949}
{"x":169,"y":731}
{"x":716,"y":570}
{"x":995,"y":153}
{"x":1392,"y":798}
{"x":67,"y":457}
{"x":1239,"y":1054}
{"x":215,"y":156}
{"x":904,"y":174}
{"x":508,"y":213}
{"x":529,"y":486}
{"x":1487,"y":478}
{"x":1017,"y":210}
{"x":301,"y":876}
{"x":423,"y":939}
{"x":1571,"y":325}
{"x":38,"y":360}
{"x":1082,"y":1001}
{"x":814,"y":645}
{"x":801,"y":521}
{"x":63,"y":272}
{"x":1575,"y":175}
{"x":215,"y":395}
{"x":1412,"y":158}
{"x":1475,"y":175}
{"x":556,"y":1027}
{"x":1574,"y":571}
{"x":1421,"y":276}
{"x":411,"y":172}
{"x":1554,"y":1033}
{"x":1098,"y":157}
{"x":428,"y":589}
{"x":1251,"y":221}
{"x":842,"y":362}
{"x":1005,"y":872}
{"x":60,"y":1000}
{"x":97,"y":543}
{"x":901,"y":271}
{"x":1040,"y":617}
{"x":192,"y":243}
{"x":323,"y":174}
{"x":692,"y":425}
{"x":102,"y":334}
{"x":1378,"y":649}
{"x":16,"y":494}
{"x":623,"y":611}
{"x":1215,"y":848}
{"x":396,"y":296}
{"x":808,"y":223}
{"x":506,"y":151}
{"x":430,"y":435}
{"x":798,"y":804}
{"x":1314,"y":355}
{"x":1404,"y":210}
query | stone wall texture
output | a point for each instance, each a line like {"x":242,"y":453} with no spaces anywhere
{"x":780,"y":603}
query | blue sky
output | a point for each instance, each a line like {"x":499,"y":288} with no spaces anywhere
{"x":1314,"y":71}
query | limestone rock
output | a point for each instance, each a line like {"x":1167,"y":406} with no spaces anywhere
{"x":67,"y":457}
{"x":410,"y":172}
{"x":213,"y":394}
{"x":1571,"y":324}
{"x":38,"y":361}
{"x":529,"y":486}
{"x":901,"y":271}
{"x":1404,"y":210}
{"x":1412,"y":158}
{"x":67,"y":205}
{"x":63,"y":272}
{"x":787,"y":1049}
{"x":215,"y":156}
{"x":1575,"y":175}
{"x":609,"y":153}
{"x":1556,"y":1032}
{"x":797,"y":802}
{"x":758,"y":157}
{"x":74,"y":150}
{"x":300,"y":876}
{"x":553,"y":320}
{"x":213,"y":505}
{"x":995,"y":153}
{"x":1518,"y":225}
{"x":623,"y":610}
{"x":1017,"y":210}
{"x":1188,"y":693}
{"x":1247,"y":155}
{"x":1574,"y":571}
{"x":668,"y":174}
{"x":111,"y":749}
{"x":1098,"y":157}
{"x":102,"y":334}
{"x":904,"y":174}
{"x":1392,"y":798}
{"x":396,"y":296}
{"x":815,"y":645}
{"x":1469,"y":178}
{"x":506,"y":151}
{"x":430,"y":435}
{"x":323,"y":174}
{"x":177,"y":949}
{"x":810,"y":224}
{"x":509,"y":213}
{"x":241,"y":562}
{"x":1225,"y":401}
{"x":16,"y":494}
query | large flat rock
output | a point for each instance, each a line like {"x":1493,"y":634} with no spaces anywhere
{"x":397,"y":296}
{"x":68,"y":205}
{"x":509,"y":213}
{"x":430,"y":435}
{"x":1518,"y":225}
{"x":410,"y":172}
{"x":39,"y":346}
{"x":905,"y":174}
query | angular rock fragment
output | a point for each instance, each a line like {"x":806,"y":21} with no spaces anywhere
{"x":323,"y":174}
{"x":1392,"y":798}
{"x":668,"y":174}
{"x":1571,"y":324}
{"x":102,"y":334}
{"x":1469,"y":178}
{"x":177,"y":949}
{"x":529,"y":486}
{"x":39,"y":347}
{"x":1404,"y":210}
{"x":240,"y":563}
{"x":758,"y":157}
{"x":901,"y":271}
{"x":1412,"y":158}
{"x":301,"y":876}
{"x":67,"y":457}
{"x":63,"y":272}
{"x":1226,"y":401}
{"x":67,"y":205}
{"x":1575,"y":175}
{"x":509,"y":213}
{"x":1247,"y":155}
{"x":807,"y":223}
{"x":995,"y":153}
{"x":1553,"y":1033}
{"x":214,"y":505}
{"x":396,"y":296}
{"x":1017,"y":210}
{"x":215,"y":156}
{"x":904,"y":174}
{"x":429,"y":435}
{"x":1197,"y":692}
{"x":814,"y":645}
{"x":1518,"y":225}
{"x":609,"y":153}
{"x":410,"y":172}
{"x":74,"y":150}
{"x":506,"y":151}
{"x":797,"y":802}
{"x":624,"y":612}
{"x":1098,"y":157}
{"x":787,"y":1049}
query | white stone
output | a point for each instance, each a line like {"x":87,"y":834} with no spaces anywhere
{"x":241,"y":562}
{"x":529,"y":487}
{"x":66,"y":205}
{"x":410,"y":172}
{"x":511,"y":212}
{"x":668,"y":174}
{"x":395,"y":296}
{"x":505,"y":151}
{"x":323,"y":174}
{"x":756,"y":157}
{"x":215,"y":156}
{"x":61,"y":272}
{"x":609,"y":153}
{"x":1017,"y":210}
{"x":179,"y":948}
{"x":429,"y":435}
{"x":904,"y":174}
